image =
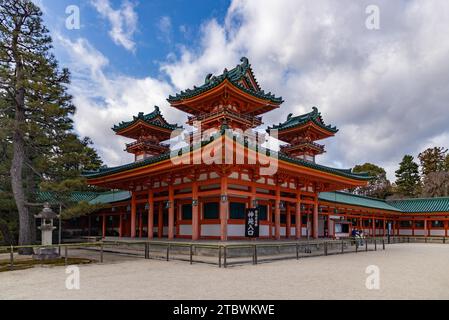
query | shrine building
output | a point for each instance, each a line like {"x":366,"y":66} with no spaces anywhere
{"x":201,"y":186}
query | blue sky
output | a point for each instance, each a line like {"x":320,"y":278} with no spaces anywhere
{"x":162,"y":26}
{"x":385,"y":88}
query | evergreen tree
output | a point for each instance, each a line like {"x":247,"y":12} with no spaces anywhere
{"x":379,"y":186}
{"x":35,"y":115}
{"x":407,"y":177}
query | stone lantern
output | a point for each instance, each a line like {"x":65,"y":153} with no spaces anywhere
{"x":46,"y":215}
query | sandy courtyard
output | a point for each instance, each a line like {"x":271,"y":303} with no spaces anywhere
{"x":407,"y":271}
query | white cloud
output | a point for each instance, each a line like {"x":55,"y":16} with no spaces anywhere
{"x":123,"y":22}
{"x":104,"y":100}
{"x":386,"y":90}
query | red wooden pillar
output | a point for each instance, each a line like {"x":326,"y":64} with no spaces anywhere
{"x":298,"y":216}
{"x":315,"y":219}
{"x":133,"y":214}
{"x":195,"y":212}
{"x":224,"y":208}
{"x":103,"y":229}
{"x":140,"y":225}
{"x":329,"y":233}
{"x":277,"y":214}
{"x":289,"y":221}
{"x":160,"y":221}
{"x":270,"y":219}
{"x":374,"y":226}
{"x":120,"y":227}
{"x":445,"y":227}
{"x":171,"y":212}
{"x":150,"y":214}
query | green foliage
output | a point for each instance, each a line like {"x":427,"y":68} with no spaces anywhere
{"x":80,"y":209}
{"x":54,"y":156}
{"x":379,"y":186}
{"x":433,"y":160}
{"x":408,"y":180}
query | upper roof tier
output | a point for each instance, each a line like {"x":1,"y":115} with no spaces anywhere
{"x":143,"y":124}
{"x":238,"y":86}
{"x":310,"y":124}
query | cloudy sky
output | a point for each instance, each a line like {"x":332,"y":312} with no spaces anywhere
{"x":386,"y":89}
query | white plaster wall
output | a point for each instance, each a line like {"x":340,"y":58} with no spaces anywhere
{"x":405,"y":232}
{"x":185,"y":230}
{"x":420,"y":232}
{"x":210,"y":230}
{"x":236,"y":230}
{"x":283,"y":231}
{"x":264,"y":231}
{"x":304,"y":231}
{"x":440,"y":233}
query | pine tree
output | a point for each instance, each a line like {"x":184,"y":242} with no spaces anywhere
{"x":35,"y":114}
{"x":407,"y":177}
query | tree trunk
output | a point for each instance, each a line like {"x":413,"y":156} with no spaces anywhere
{"x":19,"y":152}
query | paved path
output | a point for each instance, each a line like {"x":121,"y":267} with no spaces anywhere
{"x":407,"y":271}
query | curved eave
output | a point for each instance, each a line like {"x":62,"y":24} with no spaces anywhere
{"x":200,"y":94}
{"x":163,"y":162}
{"x":126,"y":130}
{"x":327,"y":131}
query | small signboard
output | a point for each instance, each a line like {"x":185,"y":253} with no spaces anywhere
{"x":252,"y":223}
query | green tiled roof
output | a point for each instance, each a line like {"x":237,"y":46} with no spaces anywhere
{"x":235,"y":76}
{"x":421,"y":205}
{"x":356,"y":200}
{"x":76,"y":196}
{"x":341,"y":172}
{"x":314,"y":116}
{"x":111,"y":197}
{"x":148,"y":119}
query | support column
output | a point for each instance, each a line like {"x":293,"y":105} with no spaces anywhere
{"x":315,"y":219}
{"x":103,"y":228}
{"x":195,"y":212}
{"x":329,"y":233}
{"x":150,"y":214}
{"x":277,"y":214}
{"x":270,"y":219}
{"x":384,"y":224}
{"x":374,"y":226}
{"x":133,"y":214}
{"x":120,"y":227}
{"x":171,"y":212}
{"x":445,"y":227}
{"x":140,"y":224}
{"x":298,"y":216}
{"x":160,"y":221}
{"x":252,"y":198}
{"x":425,"y":227}
{"x":224,"y":208}
{"x":288,"y":221}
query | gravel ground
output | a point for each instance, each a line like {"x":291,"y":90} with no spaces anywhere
{"x":407,"y":271}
